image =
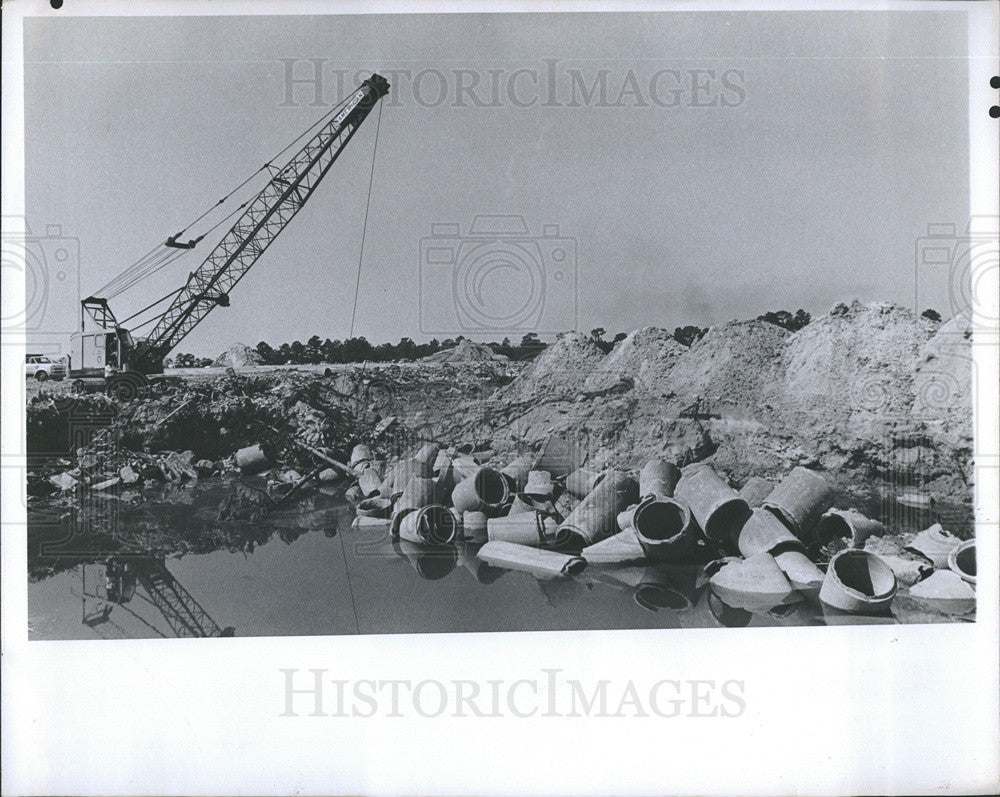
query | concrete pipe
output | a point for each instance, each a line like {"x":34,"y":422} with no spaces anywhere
{"x":474,"y":526}
{"x":484,"y":491}
{"x":718,"y":508}
{"x":405,"y":470}
{"x":962,"y":560}
{"x":516,"y":473}
{"x":664,"y":529}
{"x":441,"y":461}
{"x":529,"y":528}
{"x":252,"y":459}
{"x":617,"y":549}
{"x":464,"y":466}
{"x":764,"y":532}
{"x":426,"y":455}
{"x":581,"y":482}
{"x":858,"y":582}
{"x":658,"y":477}
{"x":800,"y":499}
{"x":840,"y":523}
{"x":369,"y":482}
{"x":418,"y":493}
{"x":359,"y":454}
{"x":595,"y":516}
{"x":755,"y":490}
{"x":429,"y":525}
{"x":375,"y":508}
{"x":538,"y":562}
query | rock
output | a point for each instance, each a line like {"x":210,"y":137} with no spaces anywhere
{"x":128,"y":475}
{"x":291,"y":476}
{"x":328,"y":475}
{"x":107,"y":483}
{"x":205,"y":467}
{"x":63,"y":481}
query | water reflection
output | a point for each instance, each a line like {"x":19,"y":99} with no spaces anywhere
{"x":115,"y":567}
{"x":116,"y":582}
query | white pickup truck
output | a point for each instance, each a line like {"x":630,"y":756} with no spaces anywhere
{"x":43,"y":367}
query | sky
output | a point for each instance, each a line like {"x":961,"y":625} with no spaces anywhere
{"x":733,"y":163}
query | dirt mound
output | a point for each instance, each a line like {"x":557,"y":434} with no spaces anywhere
{"x":944,"y":384}
{"x":239,"y":355}
{"x":561,"y":370}
{"x":644,"y":356}
{"x":734,"y":368}
{"x":466,"y":352}
{"x":855,"y":366}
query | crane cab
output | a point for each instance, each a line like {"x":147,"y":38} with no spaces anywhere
{"x":92,"y":352}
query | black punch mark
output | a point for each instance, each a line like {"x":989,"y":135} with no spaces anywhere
{"x":995,"y":111}
{"x":56,"y":4}
{"x":995,"y":81}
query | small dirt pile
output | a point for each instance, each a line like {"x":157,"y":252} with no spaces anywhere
{"x":467,"y":352}
{"x":239,"y":355}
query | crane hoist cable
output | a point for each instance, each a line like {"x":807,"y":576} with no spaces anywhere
{"x":364,"y":229}
{"x":153,"y":260}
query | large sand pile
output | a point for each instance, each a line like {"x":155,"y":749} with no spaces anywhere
{"x":944,"y":384}
{"x":560,"y":370}
{"x":855,"y":367}
{"x":735,"y":367}
{"x":644,"y":357}
{"x":872,"y":391}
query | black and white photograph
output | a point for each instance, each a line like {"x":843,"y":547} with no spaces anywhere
{"x":433,"y":324}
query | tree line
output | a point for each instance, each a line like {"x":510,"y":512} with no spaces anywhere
{"x":359,"y":349}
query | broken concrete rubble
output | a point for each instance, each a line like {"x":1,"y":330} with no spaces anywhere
{"x":935,"y":544}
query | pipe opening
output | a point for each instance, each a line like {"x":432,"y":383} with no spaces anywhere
{"x":659,"y":520}
{"x":863,"y":573}
{"x":491,"y":487}
{"x":833,"y":527}
{"x":726,"y":521}
{"x":965,"y":560}
{"x":565,"y":538}
{"x":438,"y":525}
{"x":575,"y":566}
{"x":655,"y":597}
